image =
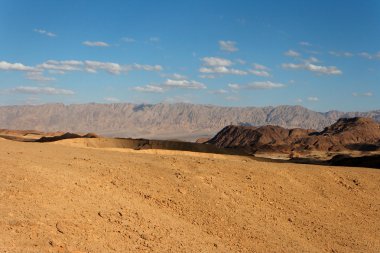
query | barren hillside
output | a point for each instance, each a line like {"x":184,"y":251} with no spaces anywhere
{"x":65,"y":197}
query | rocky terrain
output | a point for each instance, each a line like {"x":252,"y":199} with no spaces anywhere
{"x":162,"y":121}
{"x":346,"y":135}
{"x":67,"y":196}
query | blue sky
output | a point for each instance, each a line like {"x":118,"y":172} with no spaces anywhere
{"x":323,"y":55}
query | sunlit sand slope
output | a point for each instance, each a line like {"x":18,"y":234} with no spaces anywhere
{"x":63,"y":198}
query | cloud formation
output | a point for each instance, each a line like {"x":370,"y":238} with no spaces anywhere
{"x":234,"y":86}
{"x":41,"y":90}
{"x":264,"y":85}
{"x":326,"y":70}
{"x":145,"y":67}
{"x":216,"y":65}
{"x":170,"y":84}
{"x":365,"y":94}
{"x":186,"y":84}
{"x":111,"y":99}
{"x":260,"y":70}
{"x":218,"y":92}
{"x":128,"y":39}
{"x":150,"y":88}
{"x":216,"y":62}
{"x":154,"y":39}
{"x":313,"y":99}
{"x":39,"y":77}
{"x":228,"y":46}
{"x":44,"y":32}
{"x":95,"y":44}
{"x":222,"y":70}
{"x":305,"y":43}
{"x":60,"y":66}
{"x":370,"y":56}
{"x":259,"y":85}
{"x":292,"y":53}
{"x":341,"y":54}
{"x":15,"y":66}
{"x":110,"y":67}
{"x":174,"y":76}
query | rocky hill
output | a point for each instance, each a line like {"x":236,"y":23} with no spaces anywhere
{"x":162,"y":121}
{"x":361,"y":134}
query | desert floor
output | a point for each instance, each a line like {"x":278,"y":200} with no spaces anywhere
{"x":64,"y":197}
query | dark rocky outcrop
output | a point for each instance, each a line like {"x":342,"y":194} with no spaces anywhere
{"x":65,"y":136}
{"x":362,"y":134}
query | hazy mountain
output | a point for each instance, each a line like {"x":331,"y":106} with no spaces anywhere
{"x":182,"y":121}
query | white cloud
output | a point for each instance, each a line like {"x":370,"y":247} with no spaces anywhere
{"x":227,"y":45}
{"x":41,"y":90}
{"x":292,"y":53}
{"x":218,"y":92}
{"x":305,"y":43}
{"x":150,"y":88}
{"x":174,"y":76}
{"x":370,"y":56}
{"x":207,"y":76}
{"x":154,"y":39}
{"x":313,"y":99}
{"x":240,"y":61}
{"x":144,"y":67}
{"x":187,"y":84}
{"x":44,"y":32}
{"x":312,"y":60}
{"x":128,"y":39}
{"x":63,"y":66}
{"x":260,"y":70}
{"x":341,"y":54}
{"x":330,"y":70}
{"x":112,"y":99}
{"x":365,"y":94}
{"x":178,"y":99}
{"x":95,"y":43}
{"x":15,"y":66}
{"x":260,"y":67}
{"x":365,"y":55}
{"x":299,"y":100}
{"x":38,"y":76}
{"x":222,"y":70}
{"x":264,"y":85}
{"x":216,"y":62}
{"x":232,"y":98}
{"x":262,"y":73}
{"x":234,"y":86}
{"x":110,"y":67}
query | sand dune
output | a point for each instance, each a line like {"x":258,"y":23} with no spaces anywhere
{"x":63,"y":198}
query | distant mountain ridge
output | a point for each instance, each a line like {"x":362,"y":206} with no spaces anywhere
{"x":163,"y":121}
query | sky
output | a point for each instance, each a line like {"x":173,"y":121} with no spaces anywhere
{"x":324,"y":55}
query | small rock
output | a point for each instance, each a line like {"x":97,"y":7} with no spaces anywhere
{"x":59,"y":227}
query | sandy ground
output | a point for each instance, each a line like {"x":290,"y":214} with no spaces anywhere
{"x":67,"y":198}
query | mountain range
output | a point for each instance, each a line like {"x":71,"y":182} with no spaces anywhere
{"x":163,"y":121}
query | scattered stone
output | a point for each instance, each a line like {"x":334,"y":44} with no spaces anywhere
{"x":59,"y":227}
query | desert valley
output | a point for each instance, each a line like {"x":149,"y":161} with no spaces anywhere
{"x":67,"y":192}
{"x":192,"y":126}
